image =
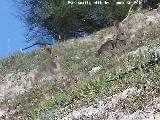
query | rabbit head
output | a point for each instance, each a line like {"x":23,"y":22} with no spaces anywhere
{"x":121,"y":32}
{"x":121,"y":36}
{"x":54,"y":58}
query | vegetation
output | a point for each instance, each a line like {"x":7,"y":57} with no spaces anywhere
{"x":76,"y":59}
{"x":47,"y":19}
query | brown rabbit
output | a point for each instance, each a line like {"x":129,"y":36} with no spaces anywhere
{"x":50,"y":68}
{"x":107,"y":46}
{"x":121,"y":33}
{"x":120,"y":39}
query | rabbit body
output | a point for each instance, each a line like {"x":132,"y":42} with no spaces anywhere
{"x":54,"y":66}
{"x":107,"y":46}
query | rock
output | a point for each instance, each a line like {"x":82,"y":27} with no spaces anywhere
{"x":94,"y":70}
{"x":151,"y":20}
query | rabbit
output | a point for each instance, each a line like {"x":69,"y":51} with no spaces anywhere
{"x":107,"y":46}
{"x":121,"y":33}
{"x":51,"y":68}
{"x":54,"y":65}
{"x":119,"y":40}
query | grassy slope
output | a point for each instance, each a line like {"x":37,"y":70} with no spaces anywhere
{"x":76,"y":60}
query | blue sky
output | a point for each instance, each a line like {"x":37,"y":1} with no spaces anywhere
{"x":12,"y":30}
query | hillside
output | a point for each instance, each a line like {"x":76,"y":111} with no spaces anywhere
{"x":122,"y":84}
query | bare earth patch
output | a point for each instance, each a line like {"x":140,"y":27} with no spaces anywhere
{"x":15,"y":83}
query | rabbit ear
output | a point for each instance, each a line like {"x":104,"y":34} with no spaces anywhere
{"x":117,"y":25}
{"x":49,"y":51}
